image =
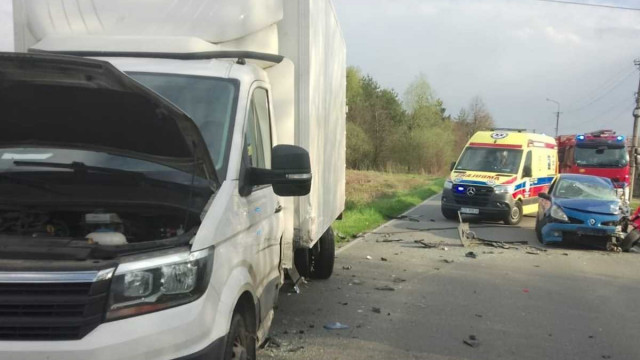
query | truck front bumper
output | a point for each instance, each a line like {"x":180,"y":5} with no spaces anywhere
{"x":187,"y":332}
{"x":495,"y":206}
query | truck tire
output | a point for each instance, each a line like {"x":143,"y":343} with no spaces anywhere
{"x":240,"y":342}
{"x":630,"y":240}
{"x":515,"y":214}
{"x":323,"y":256}
{"x":449,"y":214}
{"x":302,"y":261}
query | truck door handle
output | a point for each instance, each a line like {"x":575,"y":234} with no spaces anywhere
{"x":278,"y":208}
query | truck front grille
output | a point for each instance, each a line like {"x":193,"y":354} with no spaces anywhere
{"x":481,"y":195}
{"x":51,"y":311}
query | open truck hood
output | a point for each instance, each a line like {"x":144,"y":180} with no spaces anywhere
{"x":78,"y":103}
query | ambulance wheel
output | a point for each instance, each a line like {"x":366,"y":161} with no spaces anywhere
{"x":323,"y":256}
{"x":630,"y":240}
{"x":515,"y":215}
{"x":449,"y":214}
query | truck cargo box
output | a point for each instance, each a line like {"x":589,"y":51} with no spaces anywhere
{"x":306,"y":32}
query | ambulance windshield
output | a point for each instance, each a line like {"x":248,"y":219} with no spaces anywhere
{"x":493,"y":160}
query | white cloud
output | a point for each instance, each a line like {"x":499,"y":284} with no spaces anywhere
{"x":6,"y":26}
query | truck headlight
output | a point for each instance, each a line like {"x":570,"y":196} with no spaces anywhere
{"x":448,"y":184}
{"x":557,"y":213}
{"x":158,"y":283}
{"x":502,"y":189}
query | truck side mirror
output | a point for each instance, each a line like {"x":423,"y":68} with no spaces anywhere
{"x":290,"y":172}
{"x":526,"y":171}
{"x":453,"y":166}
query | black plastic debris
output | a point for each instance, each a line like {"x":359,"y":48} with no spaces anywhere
{"x":471,"y":341}
{"x":471,"y":254}
{"x":383,"y":259}
{"x":385,"y":288}
{"x":376,"y":310}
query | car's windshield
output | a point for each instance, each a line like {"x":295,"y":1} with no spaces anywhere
{"x":209,"y":101}
{"x":495,"y":160}
{"x":592,"y":189}
{"x":10,"y":156}
{"x":601,"y":157}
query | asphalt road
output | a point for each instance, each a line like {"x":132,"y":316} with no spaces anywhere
{"x":558,"y":304}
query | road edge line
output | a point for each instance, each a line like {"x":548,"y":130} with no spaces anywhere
{"x":357,"y":240}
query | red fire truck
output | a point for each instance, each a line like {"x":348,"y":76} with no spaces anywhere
{"x":600,"y":153}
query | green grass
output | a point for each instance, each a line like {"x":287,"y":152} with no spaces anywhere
{"x":361,"y":216}
{"x":635,"y":202}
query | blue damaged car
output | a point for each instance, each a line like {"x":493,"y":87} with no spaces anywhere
{"x":578,"y":207}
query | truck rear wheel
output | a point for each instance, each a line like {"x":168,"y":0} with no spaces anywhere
{"x":317,"y":262}
{"x":323,"y":256}
{"x":515,"y":214}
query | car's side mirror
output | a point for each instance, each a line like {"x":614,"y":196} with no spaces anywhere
{"x":453,"y":165}
{"x":526,"y":171}
{"x":544,"y":196}
{"x":290,"y":172}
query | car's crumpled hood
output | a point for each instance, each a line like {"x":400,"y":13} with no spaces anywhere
{"x":610,"y":207}
{"x":71,"y":102}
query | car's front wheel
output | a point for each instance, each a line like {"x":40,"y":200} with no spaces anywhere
{"x":539,"y":225}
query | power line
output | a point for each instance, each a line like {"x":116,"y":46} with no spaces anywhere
{"x":608,"y":90}
{"x":607,"y":111}
{"x":592,"y":5}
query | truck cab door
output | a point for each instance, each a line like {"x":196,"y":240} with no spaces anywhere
{"x":261,"y":202}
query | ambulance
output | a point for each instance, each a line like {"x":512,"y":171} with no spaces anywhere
{"x":499,"y":175}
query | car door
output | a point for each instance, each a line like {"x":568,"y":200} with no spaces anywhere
{"x":261,"y":201}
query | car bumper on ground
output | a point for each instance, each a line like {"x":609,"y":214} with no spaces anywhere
{"x":489,"y":205}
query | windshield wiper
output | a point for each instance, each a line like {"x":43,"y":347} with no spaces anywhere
{"x":79,"y":167}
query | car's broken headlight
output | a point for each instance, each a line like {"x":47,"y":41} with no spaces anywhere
{"x":557,"y":213}
{"x":157,"y":283}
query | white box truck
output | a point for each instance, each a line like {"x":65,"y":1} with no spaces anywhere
{"x":163,"y":165}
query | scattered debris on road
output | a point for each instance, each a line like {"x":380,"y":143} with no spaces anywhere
{"x":376,"y":310}
{"x":471,"y":254}
{"x":368,"y":257}
{"x":356,"y":282}
{"x":383,"y":259}
{"x":525,"y":290}
{"x":296,"y":349}
{"x":447,"y":261}
{"x":335,"y":326}
{"x":385,"y":288}
{"x":471,"y":341}
{"x":347,"y":267}
{"x":341,"y":235}
{"x":426,"y":244}
{"x":388,"y":240}
{"x":398,"y":280}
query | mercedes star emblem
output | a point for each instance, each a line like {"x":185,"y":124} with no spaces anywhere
{"x":471,"y":191}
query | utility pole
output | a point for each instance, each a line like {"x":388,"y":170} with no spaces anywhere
{"x":557,"y":115}
{"x":634,"y":138}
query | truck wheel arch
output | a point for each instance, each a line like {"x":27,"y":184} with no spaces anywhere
{"x":237,"y":295}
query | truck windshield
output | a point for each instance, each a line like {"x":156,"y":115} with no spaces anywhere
{"x":493,"y":160}
{"x":209,"y":101}
{"x":601,"y":157}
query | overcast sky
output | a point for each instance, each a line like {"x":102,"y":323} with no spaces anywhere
{"x":513,"y":53}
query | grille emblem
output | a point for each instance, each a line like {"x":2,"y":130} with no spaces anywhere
{"x":471,"y":191}
{"x":592,"y":222}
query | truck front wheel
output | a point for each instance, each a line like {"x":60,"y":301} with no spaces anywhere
{"x":515,"y":214}
{"x":240,"y":343}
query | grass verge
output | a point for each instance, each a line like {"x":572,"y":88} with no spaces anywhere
{"x":372,"y":197}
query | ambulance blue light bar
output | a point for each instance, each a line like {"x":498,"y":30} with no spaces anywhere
{"x":620,"y":138}
{"x":580,"y":137}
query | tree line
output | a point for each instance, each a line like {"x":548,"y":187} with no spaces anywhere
{"x":412,"y":134}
